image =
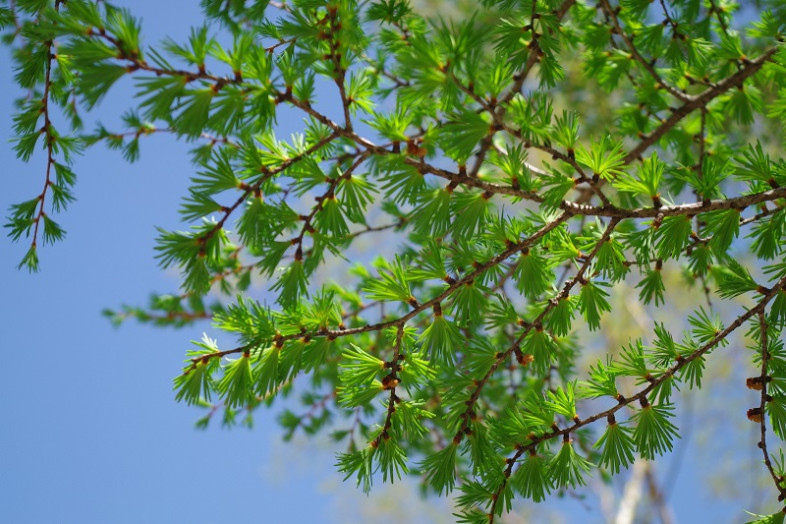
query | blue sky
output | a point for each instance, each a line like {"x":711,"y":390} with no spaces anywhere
{"x":90,"y":430}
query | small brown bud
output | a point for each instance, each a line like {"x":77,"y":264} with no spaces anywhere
{"x":755,"y":415}
{"x":389,"y":382}
{"x":757,"y":383}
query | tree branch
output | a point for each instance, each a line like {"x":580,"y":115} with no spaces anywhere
{"x":626,"y":401}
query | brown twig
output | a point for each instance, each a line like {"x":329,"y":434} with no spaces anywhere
{"x":466,"y":416}
{"x":714,"y":8}
{"x":254,"y":188}
{"x":646,"y":64}
{"x":533,"y":57}
{"x":641,"y":395}
{"x":735,"y":80}
{"x":469,"y":276}
{"x":390,"y":382}
{"x":335,"y":57}
{"x":49,"y":137}
{"x":764,"y":376}
{"x":330,"y":193}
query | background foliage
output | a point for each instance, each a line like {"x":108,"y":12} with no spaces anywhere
{"x":456,"y":358}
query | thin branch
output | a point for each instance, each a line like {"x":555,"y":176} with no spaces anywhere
{"x":340,"y":71}
{"x":466,"y":416}
{"x":268,"y":174}
{"x":699,"y":101}
{"x":308,"y":219}
{"x":170,"y":316}
{"x":376,"y":229}
{"x":646,"y":64}
{"x":764,"y":377}
{"x":691,"y":209}
{"x":533,"y":57}
{"x":699,"y":167}
{"x":280,"y":5}
{"x":468,"y":277}
{"x":390,"y":382}
{"x":765,"y":212}
{"x":719,"y":12}
{"x":654,"y":383}
{"x":312,"y":411}
{"x":735,"y":80}
{"x":147,"y":131}
{"x":379,"y":68}
{"x":49,"y":137}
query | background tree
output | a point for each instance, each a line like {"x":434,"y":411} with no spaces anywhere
{"x":457,"y":358}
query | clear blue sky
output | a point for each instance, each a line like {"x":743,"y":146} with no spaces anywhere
{"x":90,"y":431}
